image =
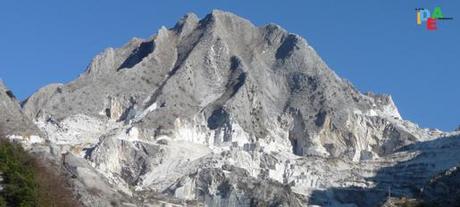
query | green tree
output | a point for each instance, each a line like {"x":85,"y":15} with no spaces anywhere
{"x":20,"y":186}
{"x":31,"y":182}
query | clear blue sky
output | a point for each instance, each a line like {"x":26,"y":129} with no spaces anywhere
{"x":374,"y":44}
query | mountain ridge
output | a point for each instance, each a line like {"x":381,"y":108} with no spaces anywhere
{"x":210,"y":109}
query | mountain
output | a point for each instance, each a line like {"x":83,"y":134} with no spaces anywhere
{"x":12,"y":119}
{"x":223,"y":73}
{"x":221,"y":112}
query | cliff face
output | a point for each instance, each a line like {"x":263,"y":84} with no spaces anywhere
{"x":12,"y":119}
{"x":222,"y":73}
{"x":443,"y":189}
{"x":221,"y":112}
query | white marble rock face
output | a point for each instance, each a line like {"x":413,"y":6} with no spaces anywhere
{"x":220,"y":112}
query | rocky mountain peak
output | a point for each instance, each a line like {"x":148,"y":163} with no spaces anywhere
{"x":195,"y":108}
{"x":2,"y":85}
{"x":12,"y":120}
{"x":186,"y":24}
{"x":224,"y":69}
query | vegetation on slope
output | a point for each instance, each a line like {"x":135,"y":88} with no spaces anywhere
{"x":28,"y":182}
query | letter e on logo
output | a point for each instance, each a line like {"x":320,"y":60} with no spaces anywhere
{"x":431,"y":24}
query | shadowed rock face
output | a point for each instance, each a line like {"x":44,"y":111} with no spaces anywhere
{"x":220,"y":112}
{"x":428,"y":174}
{"x":443,"y":189}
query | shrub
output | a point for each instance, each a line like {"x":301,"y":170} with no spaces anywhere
{"x":30,"y":182}
{"x":20,"y":186}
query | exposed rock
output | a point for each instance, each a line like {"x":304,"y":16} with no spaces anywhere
{"x":220,"y":112}
{"x":12,"y":119}
{"x":253,"y":76}
{"x":443,"y":189}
